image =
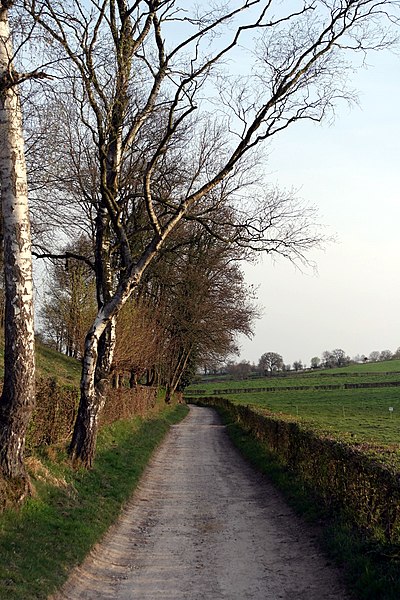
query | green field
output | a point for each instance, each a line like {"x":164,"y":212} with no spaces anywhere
{"x":357,"y":415}
{"x":50,"y":363}
{"x":362,"y":415}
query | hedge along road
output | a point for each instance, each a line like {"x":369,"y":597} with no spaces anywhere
{"x":204,"y":525}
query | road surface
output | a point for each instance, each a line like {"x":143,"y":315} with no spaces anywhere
{"x":204,"y":525}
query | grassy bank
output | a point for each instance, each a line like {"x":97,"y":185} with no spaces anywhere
{"x":71,"y":510}
{"x":50,"y":363}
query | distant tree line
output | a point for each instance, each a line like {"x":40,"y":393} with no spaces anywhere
{"x":338,"y":358}
{"x":271,"y":363}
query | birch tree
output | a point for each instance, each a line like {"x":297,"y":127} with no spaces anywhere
{"x":150,"y":65}
{"x":17,"y":400}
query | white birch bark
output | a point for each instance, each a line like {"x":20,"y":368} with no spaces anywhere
{"x":17,"y":401}
{"x":93,"y":397}
{"x":83,"y":444}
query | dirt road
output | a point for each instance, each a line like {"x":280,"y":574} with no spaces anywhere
{"x":204,"y":525}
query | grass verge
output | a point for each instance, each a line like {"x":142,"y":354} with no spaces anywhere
{"x":72,"y":509}
{"x":371,"y":570}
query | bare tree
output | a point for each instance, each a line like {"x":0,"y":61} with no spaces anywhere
{"x":315,"y":362}
{"x":396,"y":354}
{"x":140,"y":344}
{"x":70,"y":301}
{"x":328,"y":360}
{"x":205,"y":302}
{"x":374,"y":356}
{"x":335,"y":358}
{"x":239,"y":370}
{"x":340,"y":357}
{"x":386,"y":355}
{"x":127,"y":74}
{"x":298,"y":365}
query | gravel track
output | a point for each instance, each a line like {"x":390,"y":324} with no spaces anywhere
{"x":204,"y":525}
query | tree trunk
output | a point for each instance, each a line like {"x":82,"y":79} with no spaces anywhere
{"x":133,"y":379}
{"x":92,"y":399}
{"x":180,"y":367}
{"x":98,"y":353}
{"x":106,"y":349}
{"x":150,"y":376}
{"x":83,"y":443}
{"x":116,"y":380}
{"x":94,"y":377}
{"x":104,"y":290}
{"x":18,"y":398}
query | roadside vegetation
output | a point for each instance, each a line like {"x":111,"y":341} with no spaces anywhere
{"x":145,"y":194}
{"x":71,"y":509}
{"x":50,"y":363}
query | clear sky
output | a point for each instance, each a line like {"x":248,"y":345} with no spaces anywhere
{"x":351,"y":171}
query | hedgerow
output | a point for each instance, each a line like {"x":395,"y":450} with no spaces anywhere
{"x":347,"y":477}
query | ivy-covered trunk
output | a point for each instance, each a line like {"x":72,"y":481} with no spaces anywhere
{"x":18,"y":397}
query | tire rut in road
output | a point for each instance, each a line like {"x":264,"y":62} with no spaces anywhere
{"x":204,"y":525}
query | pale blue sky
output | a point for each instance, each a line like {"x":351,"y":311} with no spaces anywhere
{"x":351,"y":171}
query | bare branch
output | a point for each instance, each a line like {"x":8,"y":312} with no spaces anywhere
{"x":64,"y":256}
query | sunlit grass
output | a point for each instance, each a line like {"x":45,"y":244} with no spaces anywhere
{"x":363,"y":414}
{"x":50,"y":363}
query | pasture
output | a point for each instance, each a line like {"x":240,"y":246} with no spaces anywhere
{"x":359,"y":415}
{"x":356,"y":415}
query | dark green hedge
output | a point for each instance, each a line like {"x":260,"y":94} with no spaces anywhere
{"x":344,"y":477}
